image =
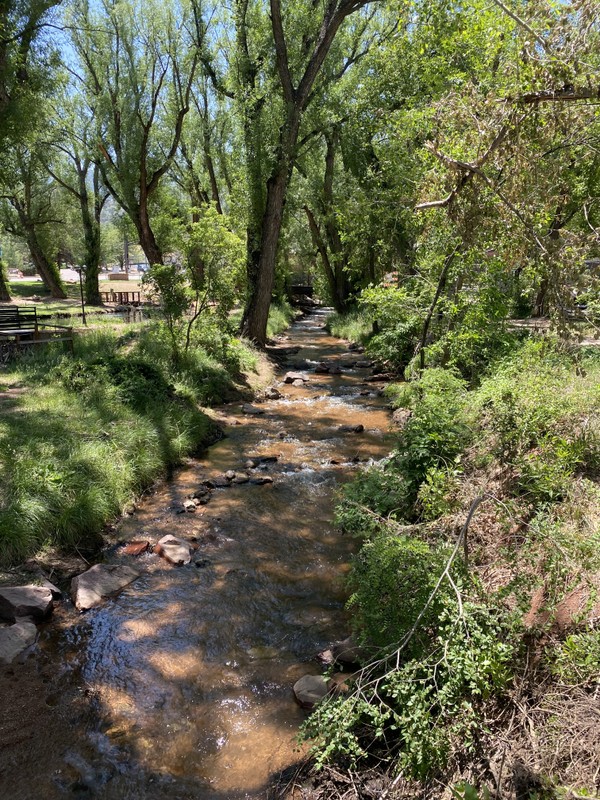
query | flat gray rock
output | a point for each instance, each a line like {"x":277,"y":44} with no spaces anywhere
{"x":291,"y":377}
{"x":15,"y":639}
{"x":176,"y":551}
{"x":25,"y":601}
{"x":310,"y":690}
{"x":248,"y":409}
{"x":99,"y":582}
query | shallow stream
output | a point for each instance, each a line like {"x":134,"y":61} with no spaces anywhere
{"x":190,"y":669}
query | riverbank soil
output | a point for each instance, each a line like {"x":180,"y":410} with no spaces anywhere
{"x":181,"y":687}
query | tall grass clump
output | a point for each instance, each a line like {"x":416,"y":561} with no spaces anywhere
{"x":355,"y":326}
{"x":83,"y":437}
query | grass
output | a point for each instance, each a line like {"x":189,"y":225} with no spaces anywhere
{"x":82,"y":436}
{"x":354,"y":326}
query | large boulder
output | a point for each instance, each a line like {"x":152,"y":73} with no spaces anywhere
{"x":15,"y":639}
{"x":176,"y":551}
{"x":25,"y":601}
{"x":310,"y":690}
{"x":99,"y":582}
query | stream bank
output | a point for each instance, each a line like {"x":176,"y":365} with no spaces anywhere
{"x":181,"y":686}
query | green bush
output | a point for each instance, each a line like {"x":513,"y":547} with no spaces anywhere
{"x":416,"y":714}
{"x":392,"y":577}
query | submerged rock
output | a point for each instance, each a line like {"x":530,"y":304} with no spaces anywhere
{"x":248,"y":409}
{"x":310,"y":690}
{"x":264,"y":479}
{"x":254,"y":461}
{"x":351,"y":428}
{"x":136,"y":548}
{"x":176,"y":551}
{"x":218,"y":482}
{"x":25,"y":601}
{"x":99,"y":582}
{"x":15,"y":639}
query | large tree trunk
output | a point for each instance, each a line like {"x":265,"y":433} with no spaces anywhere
{"x":261,"y":260}
{"x":91,"y":230}
{"x":4,"y":288}
{"x":147,"y":239}
{"x":48,"y":272}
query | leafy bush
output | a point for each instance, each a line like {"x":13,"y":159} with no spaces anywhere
{"x":417,"y":713}
{"x":437,"y":431}
{"x":392,"y":577}
{"x":576,"y":660}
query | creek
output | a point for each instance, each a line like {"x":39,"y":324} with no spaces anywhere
{"x":189,"y":671}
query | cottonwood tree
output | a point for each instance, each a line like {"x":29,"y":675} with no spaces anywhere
{"x":137,"y":63}
{"x":27,"y":210}
{"x":279,"y":68}
{"x":69,"y":159}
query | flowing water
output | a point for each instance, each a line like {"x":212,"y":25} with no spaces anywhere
{"x":191,"y":668}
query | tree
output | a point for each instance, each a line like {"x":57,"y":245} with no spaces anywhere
{"x":26,"y":211}
{"x":79,"y":175}
{"x":299,"y":57}
{"x":137,"y":65}
{"x":22,"y":73}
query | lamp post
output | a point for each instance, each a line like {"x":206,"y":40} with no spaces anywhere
{"x":80,"y":271}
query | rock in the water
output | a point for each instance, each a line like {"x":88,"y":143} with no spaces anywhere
{"x":272,"y":393}
{"x":175,"y":550}
{"x":322,"y":369}
{"x":380,"y":377}
{"x":291,"y":377}
{"x":254,"y":461}
{"x":25,"y":601}
{"x":363,"y":364}
{"x":201,"y":492}
{"x":15,"y":639}
{"x":248,"y":409}
{"x":348,"y":652}
{"x":99,"y":582}
{"x":298,"y":383}
{"x":218,"y":482}
{"x":230,"y":474}
{"x":335,"y":370}
{"x":351,"y":428}
{"x":310,"y":690}
{"x":136,"y":548}
{"x":401,"y":416}
{"x":241,"y":479}
{"x":189,"y":505}
{"x":262,"y":480}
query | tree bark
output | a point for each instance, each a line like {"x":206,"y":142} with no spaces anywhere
{"x":4,"y":288}
{"x":91,"y":230}
{"x":48,"y":272}
{"x":261,"y":261}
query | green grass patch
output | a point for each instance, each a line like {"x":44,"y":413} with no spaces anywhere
{"x":82,"y":436}
{"x":355,"y":326}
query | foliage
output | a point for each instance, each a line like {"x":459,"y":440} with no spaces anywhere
{"x":417,"y":713}
{"x":391,"y":580}
{"x":91,"y":441}
{"x":575,"y":661}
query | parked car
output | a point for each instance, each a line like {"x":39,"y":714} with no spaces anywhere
{"x":15,"y":273}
